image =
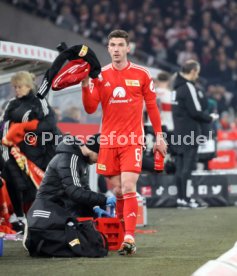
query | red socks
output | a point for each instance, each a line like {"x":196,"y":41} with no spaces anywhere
{"x":119,"y":206}
{"x":119,"y":209}
{"x":130,"y":210}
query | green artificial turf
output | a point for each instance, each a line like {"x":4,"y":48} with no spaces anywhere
{"x":185,"y":239}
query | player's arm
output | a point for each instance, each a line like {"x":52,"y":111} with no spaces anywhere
{"x":154,"y":115}
{"x":90,"y":95}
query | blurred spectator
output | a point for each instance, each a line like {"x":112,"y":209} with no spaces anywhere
{"x":72,"y":115}
{"x":58,"y":113}
{"x":187,"y":53}
{"x":181,"y":29}
{"x":66,"y":19}
{"x":164,"y":95}
{"x":217,"y":93}
{"x":225,"y":123}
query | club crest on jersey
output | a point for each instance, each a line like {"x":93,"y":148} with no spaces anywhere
{"x":101,"y":167}
{"x":83,"y":51}
{"x":119,"y":92}
{"x":152,"y":86}
{"x":132,"y":82}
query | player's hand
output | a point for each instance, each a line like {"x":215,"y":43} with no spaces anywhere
{"x":214,"y":116}
{"x":160,"y":145}
{"x":85,"y":82}
{"x":6,"y":142}
{"x":111,"y":201}
{"x":100,"y":212}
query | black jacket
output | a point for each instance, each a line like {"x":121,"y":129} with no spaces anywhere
{"x":26,"y":109}
{"x":187,"y":113}
{"x":66,"y":182}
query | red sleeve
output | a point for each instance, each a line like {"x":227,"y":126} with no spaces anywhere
{"x":91,"y":97}
{"x":151,"y":106}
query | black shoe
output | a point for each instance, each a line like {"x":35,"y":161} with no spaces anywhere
{"x":18,"y":226}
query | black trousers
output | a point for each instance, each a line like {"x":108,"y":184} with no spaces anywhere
{"x":185,"y":163}
{"x":19,"y":186}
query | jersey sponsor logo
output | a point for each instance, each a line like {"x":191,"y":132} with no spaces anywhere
{"x":131,"y":215}
{"x":138,"y":165}
{"x":101,"y":167}
{"x":83,"y":51}
{"x":119,"y":92}
{"x":152,"y":86}
{"x":113,"y":101}
{"x":132,"y":82}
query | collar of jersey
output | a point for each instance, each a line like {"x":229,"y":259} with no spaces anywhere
{"x":125,"y":68}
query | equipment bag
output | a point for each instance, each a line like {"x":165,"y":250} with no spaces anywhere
{"x":55,"y":233}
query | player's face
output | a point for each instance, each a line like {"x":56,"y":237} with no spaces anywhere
{"x":21,"y":90}
{"x":118,"y":49}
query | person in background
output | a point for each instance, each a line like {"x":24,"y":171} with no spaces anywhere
{"x":71,"y":115}
{"x":58,"y":113}
{"x":164,"y":99}
{"x":187,"y":116}
{"x":26,"y":107}
{"x":122,"y":89}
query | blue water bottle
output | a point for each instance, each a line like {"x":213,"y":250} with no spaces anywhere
{"x":1,"y":244}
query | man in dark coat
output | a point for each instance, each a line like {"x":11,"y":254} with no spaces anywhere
{"x":187,"y":116}
{"x":66,"y":178}
{"x":64,"y":194}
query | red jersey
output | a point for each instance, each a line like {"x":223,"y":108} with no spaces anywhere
{"x":122,"y":94}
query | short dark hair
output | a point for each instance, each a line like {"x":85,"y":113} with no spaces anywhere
{"x":190,"y":65}
{"x":163,"y":76}
{"x":119,"y":34}
{"x":93,"y":143}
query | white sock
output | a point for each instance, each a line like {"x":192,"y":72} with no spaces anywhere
{"x":129,"y":237}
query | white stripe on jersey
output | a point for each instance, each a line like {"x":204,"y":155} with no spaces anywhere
{"x":43,"y":87}
{"x":5,"y":149}
{"x":2,"y":116}
{"x":141,"y":68}
{"x":106,"y":67}
{"x":41,"y":213}
{"x":44,"y":106}
{"x":194,"y":96}
{"x":73,"y":167}
{"x":25,"y":117}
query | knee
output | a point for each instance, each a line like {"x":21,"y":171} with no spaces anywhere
{"x":117,"y":191}
{"x":128,"y":187}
